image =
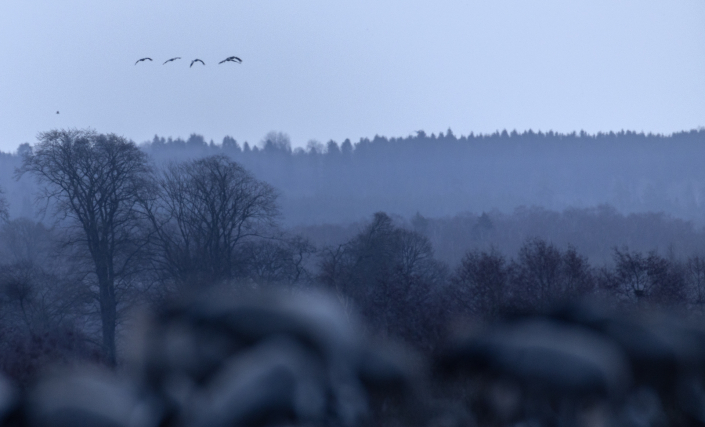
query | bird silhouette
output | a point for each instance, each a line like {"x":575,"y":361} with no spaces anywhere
{"x":196,"y":60}
{"x":231,"y":59}
{"x":172,"y":59}
{"x":143,"y":59}
{"x":57,"y":112}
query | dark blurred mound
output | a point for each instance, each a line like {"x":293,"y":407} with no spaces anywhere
{"x":234,"y":360}
{"x":275,"y":359}
{"x":582,"y":365}
{"x":264,"y":359}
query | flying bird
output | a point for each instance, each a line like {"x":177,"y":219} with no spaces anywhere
{"x":231,"y":59}
{"x":196,"y":60}
{"x":172,"y":59}
{"x":143,"y":59}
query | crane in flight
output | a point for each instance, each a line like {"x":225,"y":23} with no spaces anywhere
{"x":143,"y":59}
{"x":172,"y":59}
{"x":231,"y":59}
{"x":196,"y":60}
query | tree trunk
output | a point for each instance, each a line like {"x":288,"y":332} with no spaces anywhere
{"x":108,"y":315}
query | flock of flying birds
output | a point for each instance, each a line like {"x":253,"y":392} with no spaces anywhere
{"x":234,"y":59}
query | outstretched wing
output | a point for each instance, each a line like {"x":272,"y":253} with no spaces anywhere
{"x":172,"y":59}
{"x":143,"y":59}
{"x":231,"y":59}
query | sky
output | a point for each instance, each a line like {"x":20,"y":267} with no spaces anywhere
{"x":321,"y":70}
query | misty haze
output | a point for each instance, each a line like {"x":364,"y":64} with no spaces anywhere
{"x":310,"y":214}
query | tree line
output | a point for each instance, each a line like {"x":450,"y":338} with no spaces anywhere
{"x":390,"y":273}
{"x":442,"y":174}
{"x":445,"y":174}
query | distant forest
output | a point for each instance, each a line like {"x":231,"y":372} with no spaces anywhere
{"x":441,"y":175}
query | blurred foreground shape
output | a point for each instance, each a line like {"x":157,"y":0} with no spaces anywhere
{"x":296,"y":359}
{"x":582,"y":365}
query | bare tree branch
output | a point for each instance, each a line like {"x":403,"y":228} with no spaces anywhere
{"x":203,"y":212}
{"x":95,"y":182}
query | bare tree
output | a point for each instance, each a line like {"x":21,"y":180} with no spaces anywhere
{"x":695,"y":276}
{"x":204,"y":211}
{"x":25,"y":241}
{"x":631,"y":274}
{"x":578,"y":276}
{"x":481,"y":283}
{"x":95,"y":182}
{"x":537,"y":274}
{"x":276,"y":141}
{"x":390,"y":275}
{"x":281,"y":261}
{"x":543,"y":275}
{"x":43,"y":303}
{"x":651,"y":278}
{"x":36,"y":299}
{"x":668,"y":278}
{"x":4,"y":207}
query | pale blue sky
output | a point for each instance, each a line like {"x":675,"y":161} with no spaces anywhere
{"x":321,"y":69}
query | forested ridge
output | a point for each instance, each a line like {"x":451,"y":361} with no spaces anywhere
{"x":441,"y":175}
{"x":444,"y":174}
